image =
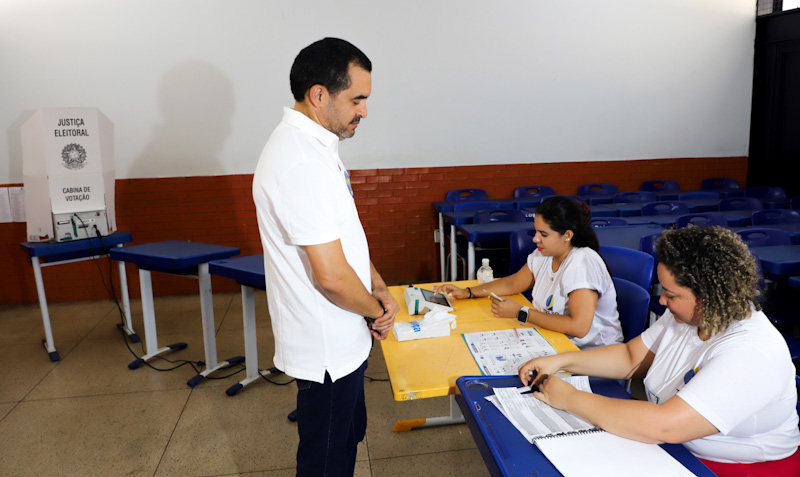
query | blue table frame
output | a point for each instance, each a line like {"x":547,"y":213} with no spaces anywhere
{"x":249,"y":273}
{"x":503,"y":448}
{"x":45,"y":254}
{"x":177,"y":257}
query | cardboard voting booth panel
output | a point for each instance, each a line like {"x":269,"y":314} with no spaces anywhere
{"x":68,"y":173}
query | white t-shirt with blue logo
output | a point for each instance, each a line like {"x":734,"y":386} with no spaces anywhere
{"x":583,"y":268}
{"x":741,"y":381}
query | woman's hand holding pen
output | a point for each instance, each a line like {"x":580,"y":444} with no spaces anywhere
{"x":505,"y":308}
{"x":537,"y":372}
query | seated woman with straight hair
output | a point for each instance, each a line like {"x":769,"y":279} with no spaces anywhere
{"x":717,"y":373}
{"x":572,"y":291}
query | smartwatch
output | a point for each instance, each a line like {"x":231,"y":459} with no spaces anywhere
{"x":522,"y":315}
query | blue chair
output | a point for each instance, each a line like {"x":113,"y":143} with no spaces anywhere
{"x":771,"y":197}
{"x":607,"y":222}
{"x":597,"y":193}
{"x":665,"y":207}
{"x":740,"y":203}
{"x":632,"y":265}
{"x":632,"y":303}
{"x":466,"y":195}
{"x":496,"y":252}
{"x":660,"y":186}
{"x":498,"y":215}
{"x":698,"y":195}
{"x":701,"y":219}
{"x":648,"y":245}
{"x":521,"y":245}
{"x":533,"y":191}
{"x":763,"y":237}
{"x":775,"y":216}
{"x":719,"y":184}
{"x":636,"y":196}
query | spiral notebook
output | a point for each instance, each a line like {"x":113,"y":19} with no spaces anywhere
{"x":538,"y":420}
{"x":576,"y":447}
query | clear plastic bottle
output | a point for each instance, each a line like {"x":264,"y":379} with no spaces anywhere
{"x":485,"y":273}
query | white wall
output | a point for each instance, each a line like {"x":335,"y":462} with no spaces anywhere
{"x":194,"y":87}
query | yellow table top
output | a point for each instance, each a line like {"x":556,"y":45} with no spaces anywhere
{"x":429,"y":367}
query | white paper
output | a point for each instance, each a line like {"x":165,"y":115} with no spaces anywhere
{"x":535,"y":418}
{"x":501,"y":352}
{"x":5,"y":206}
{"x":16,"y":197}
{"x":602,"y":453}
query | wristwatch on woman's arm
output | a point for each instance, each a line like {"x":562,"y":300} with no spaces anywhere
{"x":522,"y":315}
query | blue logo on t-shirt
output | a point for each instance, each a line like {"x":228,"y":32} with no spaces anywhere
{"x":548,"y":304}
{"x":349,"y":185}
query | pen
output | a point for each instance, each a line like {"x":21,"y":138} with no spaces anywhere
{"x":494,"y":295}
{"x":516,"y":333}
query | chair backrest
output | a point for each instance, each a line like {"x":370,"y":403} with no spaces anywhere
{"x":763,"y":237}
{"x":701,"y":219}
{"x":765,"y":193}
{"x":775,"y":216}
{"x":660,"y":186}
{"x":466,"y":194}
{"x":632,"y":265}
{"x":699,"y":195}
{"x":719,"y":183}
{"x":597,"y":189}
{"x":647,"y":244}
{"x":740,"y":203}
{"x":607,"y":221}
{"x":665,"y":207}
{"x":635,"y":196}
{"x":533,"y":191}
{"x":499,"y":215}
{"x":633,"y":304}
{"x":521,"y":245}
{"x":475,"y":205}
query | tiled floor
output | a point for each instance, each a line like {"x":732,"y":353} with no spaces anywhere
{"x":89,"y":415}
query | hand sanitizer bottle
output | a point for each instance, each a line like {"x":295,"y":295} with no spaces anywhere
{"x":485,"y":273}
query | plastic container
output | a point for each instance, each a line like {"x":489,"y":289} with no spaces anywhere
{"x":485,"y":273}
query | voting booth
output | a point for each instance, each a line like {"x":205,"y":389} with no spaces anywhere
{"x":68,"y":173}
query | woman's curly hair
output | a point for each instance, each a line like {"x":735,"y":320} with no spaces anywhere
{"x":716,"y":265}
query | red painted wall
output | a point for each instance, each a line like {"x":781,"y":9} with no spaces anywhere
{"x":395,"y":208}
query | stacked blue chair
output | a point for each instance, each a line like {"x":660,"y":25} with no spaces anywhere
{"x":521,"y":244}
{"x":764,"y":236}
{"x":726,"y":187}
{"x":531,"y":196}
{"x":664,"y":189}
{"x":634,"y":197}
{"x":739,"y":209}
{"x":703,"y":201}
{"x":597,"y":193}
{"x":771,"y":197}
{"x":607,"y":222}
{"x":466,"y":195}
{"x":701,"y":219}
{"x":775,"y":216}
{"x":665,"y":207}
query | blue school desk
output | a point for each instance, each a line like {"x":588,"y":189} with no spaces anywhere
{"x":177,"y":257}
{"x":45,"y":254}
{"x":503,"y":448}
{"x":779,"y":260}
{"x":249,"y":273}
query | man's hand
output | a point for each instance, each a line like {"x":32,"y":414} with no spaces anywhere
{"x":381,"y":327}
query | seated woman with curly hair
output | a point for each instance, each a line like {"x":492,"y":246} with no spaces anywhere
{"x":717,"y":374}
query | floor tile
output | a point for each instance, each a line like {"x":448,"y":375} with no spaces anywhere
{"x":24,"y":367}
{"x":466,"y":463}
{"x":123,"y":434}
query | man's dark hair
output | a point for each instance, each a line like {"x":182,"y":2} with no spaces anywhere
{"x":325,"y":62}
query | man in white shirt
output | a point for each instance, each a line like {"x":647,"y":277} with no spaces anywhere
{"x":326,"y":299}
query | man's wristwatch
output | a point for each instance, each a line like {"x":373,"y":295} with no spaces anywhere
{"x":522,"y":315}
